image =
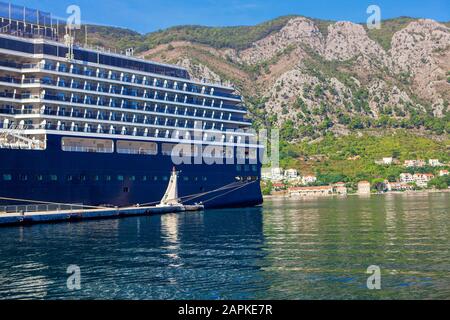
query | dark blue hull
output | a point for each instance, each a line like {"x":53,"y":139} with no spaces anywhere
{"x":116,"y":179}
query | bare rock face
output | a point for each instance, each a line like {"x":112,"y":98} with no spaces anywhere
{"x":297,"y":31}
{"x":415,"y":66}
{"x":308,"y":76}
{"x":413,"y":47}
{"x":415,"y":50}
{"x":347,"y":40}
{"x":199,"y":72}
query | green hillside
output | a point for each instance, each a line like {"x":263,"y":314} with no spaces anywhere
{"x":352,"y":158}
{"x":240,"y":37}
{"x":388,"y":28}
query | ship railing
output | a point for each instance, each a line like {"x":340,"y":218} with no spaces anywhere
{"x":103,"y":103}
{"x":10,"y":64}
{"x":30,"y":208}
{"x":192,"y":89}
{"x":80,"y":116}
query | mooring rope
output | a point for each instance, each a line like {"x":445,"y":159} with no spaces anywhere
{"x":195,"y":195}
{"x":221,"y":195}
{"x":234,"y":186}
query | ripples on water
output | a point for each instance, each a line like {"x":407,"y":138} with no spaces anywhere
{"x":289,"y":249}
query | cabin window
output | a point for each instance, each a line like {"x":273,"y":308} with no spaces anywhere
{"x":130,"y":147}
{"x":167,"y":149}
{"x":120,"y":178}
{"x":53,"y":177}
{"x":246,"y":153}
{"x":7,"y":177}
{"x":87,"y":145}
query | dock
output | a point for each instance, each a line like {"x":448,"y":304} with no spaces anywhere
{"x":170,"y":203}
{"x":26,"y":218}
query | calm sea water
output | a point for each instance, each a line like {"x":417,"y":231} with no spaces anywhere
{"x":288,"y":249}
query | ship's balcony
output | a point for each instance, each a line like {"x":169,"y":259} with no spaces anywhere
{"x":125,"y":115}
{"x":116,"y":119}
{"x":172,"y":111}
{"x":177,"y":135}
{"x":133,"y":108}
{"x":145,"y":81}
{"x":124,"y":93}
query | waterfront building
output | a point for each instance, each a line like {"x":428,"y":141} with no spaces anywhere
{"x":310,"y":191}
{"x":309,"y":179}
{"x":340,"y":188}
{"x":400,"y":186}
{"x":364,"y":187}
{"x":278,"y":186}
{"x":422,"y":179}
{"x":290,"y":174}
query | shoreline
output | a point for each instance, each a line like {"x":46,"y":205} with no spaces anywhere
{"x":416,"y":192}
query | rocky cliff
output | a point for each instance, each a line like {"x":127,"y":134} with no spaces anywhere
{"x":322,"y":75}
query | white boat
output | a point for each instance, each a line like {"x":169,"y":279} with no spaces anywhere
{"x":171,"y":202}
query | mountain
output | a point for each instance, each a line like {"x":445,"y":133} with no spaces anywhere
{"x":311,"y":76}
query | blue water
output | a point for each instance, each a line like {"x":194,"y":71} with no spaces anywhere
{"x":287,"y":249}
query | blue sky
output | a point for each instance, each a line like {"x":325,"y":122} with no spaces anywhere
{"x":150,"y":15}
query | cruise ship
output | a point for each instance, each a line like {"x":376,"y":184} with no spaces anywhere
{"x":88,"y":126}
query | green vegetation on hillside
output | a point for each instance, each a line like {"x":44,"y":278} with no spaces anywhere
{"x":239,"y":38}
{"x":352,"y":158}
{"x":108,"y":37}
{"x":388,"y":28}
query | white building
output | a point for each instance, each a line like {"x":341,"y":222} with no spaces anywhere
{"x":290,"y":174}
{"x":434,"y":162}
{"x":414,"y":163}
{"x":309,"y":179}
{"x":273,"y":174}
{"x":406,"y":178}
{"x":443,"y":173}
{"x":364,"y":187}
{"x":422,"y":179}
{"x":387,"y":161}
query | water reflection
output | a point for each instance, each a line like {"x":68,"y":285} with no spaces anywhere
{"x":334,"y":241}
{"x":289,"y":249}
